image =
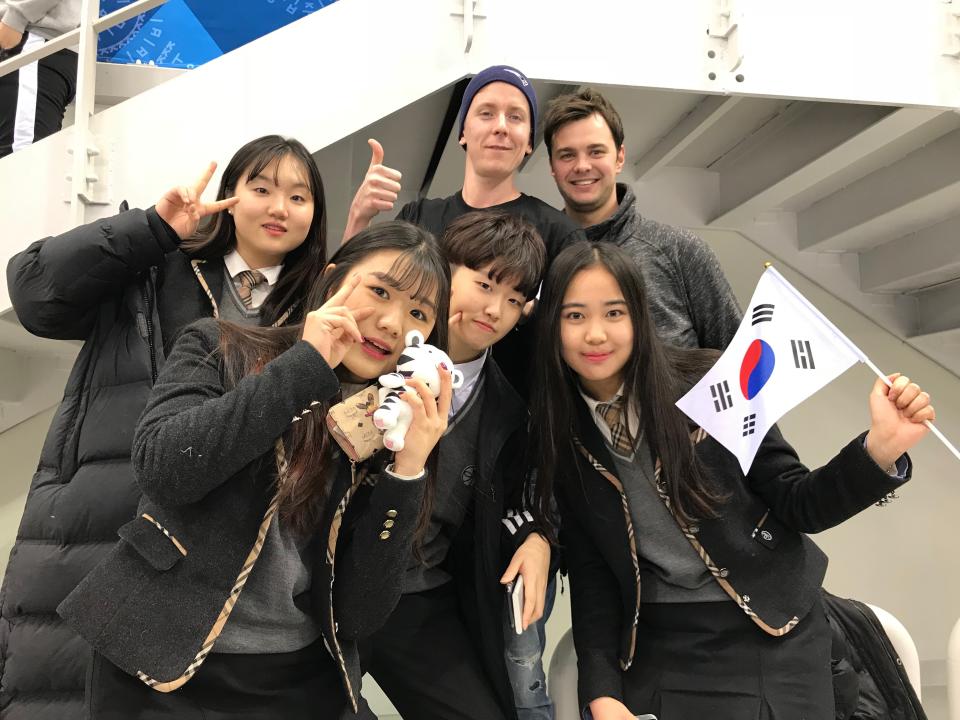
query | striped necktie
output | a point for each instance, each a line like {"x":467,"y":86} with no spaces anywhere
{"x":612,"y":414}
{"x":249,"y":279}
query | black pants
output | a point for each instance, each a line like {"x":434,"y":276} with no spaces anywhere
{"x":426,"y":663}
{"x":33,"y":98}
{"x":709,"y":660}
{"x":302,"y":685}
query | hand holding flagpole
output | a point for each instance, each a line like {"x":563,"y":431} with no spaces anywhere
{"x":929,"y":423}
{"x":783,"y":352}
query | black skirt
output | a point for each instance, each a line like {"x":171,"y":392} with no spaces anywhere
{"x":709,"y":660}
{"x":287,"y":686}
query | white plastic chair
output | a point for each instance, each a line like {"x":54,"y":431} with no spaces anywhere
{"x":953,"y":673}
{"x":562,"y":679}
{"x":902,"y":643}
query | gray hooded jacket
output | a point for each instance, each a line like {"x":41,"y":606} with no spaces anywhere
{"x":691,"y":300}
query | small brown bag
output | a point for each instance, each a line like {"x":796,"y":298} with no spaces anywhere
{"x":351,"y":424}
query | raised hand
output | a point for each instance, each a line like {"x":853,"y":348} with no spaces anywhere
{"x":182,"y":209}
{"x":897,"y":414}
{"x":428,"y":424}
{"x":332,"y":328}
{"x":532,"y":562}
{"x":377,"y":193}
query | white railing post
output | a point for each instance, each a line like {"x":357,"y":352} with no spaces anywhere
{"x":469,"y":14}
{"x":83,"y":145}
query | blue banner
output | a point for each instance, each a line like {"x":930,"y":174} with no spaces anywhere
{"x":188,"y":33}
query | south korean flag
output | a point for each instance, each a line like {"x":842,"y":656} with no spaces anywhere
{"x":783,"y":352}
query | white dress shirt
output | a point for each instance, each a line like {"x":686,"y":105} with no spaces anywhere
{"x":236,"y":265}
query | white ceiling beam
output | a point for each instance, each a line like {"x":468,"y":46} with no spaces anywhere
{"x":795,"y":137}
{"x":920,"y":190}
{"x":939,"y":309}
{"x":928,"y":257}
{"x":694,"y":125}
{"x":874,"y":138}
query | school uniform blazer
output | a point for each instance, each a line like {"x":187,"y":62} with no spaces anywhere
{"x":756,"y":549}
{"x":207,"y":462}
{"x":496,"y":525}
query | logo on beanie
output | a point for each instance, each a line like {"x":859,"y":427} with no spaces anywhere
{"x":520,"y":77}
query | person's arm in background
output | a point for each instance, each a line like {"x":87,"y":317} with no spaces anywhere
{"x":377,"y":193}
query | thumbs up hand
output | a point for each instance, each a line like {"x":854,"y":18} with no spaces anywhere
{"x":377,"y":193}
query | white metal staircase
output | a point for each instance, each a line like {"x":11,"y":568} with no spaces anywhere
{"x":827,"y":134}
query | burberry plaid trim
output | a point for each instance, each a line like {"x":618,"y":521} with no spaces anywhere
{"x":625,"y":663}
{"x":690,"y":532}
{"x":356,"y":479}
{"x":234,"y":594}
{"x":195,"y":264}
{"x":161,"y":528}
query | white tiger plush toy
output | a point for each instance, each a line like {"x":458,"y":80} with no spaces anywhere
{"x":418,"y":360}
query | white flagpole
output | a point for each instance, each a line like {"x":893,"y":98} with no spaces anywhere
{"x":853,"y":348}
{"x":933,"y":428}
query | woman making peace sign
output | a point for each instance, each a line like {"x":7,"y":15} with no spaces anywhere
{"x":259,"y":556}
{"x":126,"y":286}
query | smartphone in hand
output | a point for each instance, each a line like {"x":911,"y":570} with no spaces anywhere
{"x":515,"y":601}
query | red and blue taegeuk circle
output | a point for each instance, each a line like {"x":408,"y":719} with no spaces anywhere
{"x":756,"y":368}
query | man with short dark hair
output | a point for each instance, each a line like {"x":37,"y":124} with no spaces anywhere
{"x":690,"y":298}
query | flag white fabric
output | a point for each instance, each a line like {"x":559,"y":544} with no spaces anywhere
{"x":783,"y":352}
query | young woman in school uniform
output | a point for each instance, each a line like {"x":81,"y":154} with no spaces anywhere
{"x":259,"y":554}
{"x":126,"y":286}
{"x":694,"y":590}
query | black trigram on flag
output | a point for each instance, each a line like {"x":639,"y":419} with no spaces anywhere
{"x":749,"y":424}
{"x":762,"y":313}
{"x":802,"y":355}
{"x":722,"y":400}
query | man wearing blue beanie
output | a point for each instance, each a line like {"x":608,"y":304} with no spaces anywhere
{"x":497,"y":120}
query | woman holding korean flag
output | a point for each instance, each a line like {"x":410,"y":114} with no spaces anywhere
{"x":695,"y":591}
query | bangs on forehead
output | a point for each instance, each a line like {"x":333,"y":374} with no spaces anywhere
{"x":523,"y":279}
{"x":274,"y":156}
{"x":413,"y":273}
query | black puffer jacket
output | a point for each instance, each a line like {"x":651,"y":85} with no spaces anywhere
{"x":869,"y":679}
{"x":123,"y":287}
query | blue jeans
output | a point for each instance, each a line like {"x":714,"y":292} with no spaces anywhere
{"x":524,"y":656}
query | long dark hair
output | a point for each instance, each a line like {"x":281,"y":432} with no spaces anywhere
{"x":655,"y":376}
{"x":217,"y":236}
{"x":419,"y":270}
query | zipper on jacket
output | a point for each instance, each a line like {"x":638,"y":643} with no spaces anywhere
{"x":148,"y":322}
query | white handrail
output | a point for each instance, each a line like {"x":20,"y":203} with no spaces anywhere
{"x":73,"y":37}
{"x":85,"y":37}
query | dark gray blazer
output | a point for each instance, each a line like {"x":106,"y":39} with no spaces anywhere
{"x":204,"y":458}
{"x":757,"y":549}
